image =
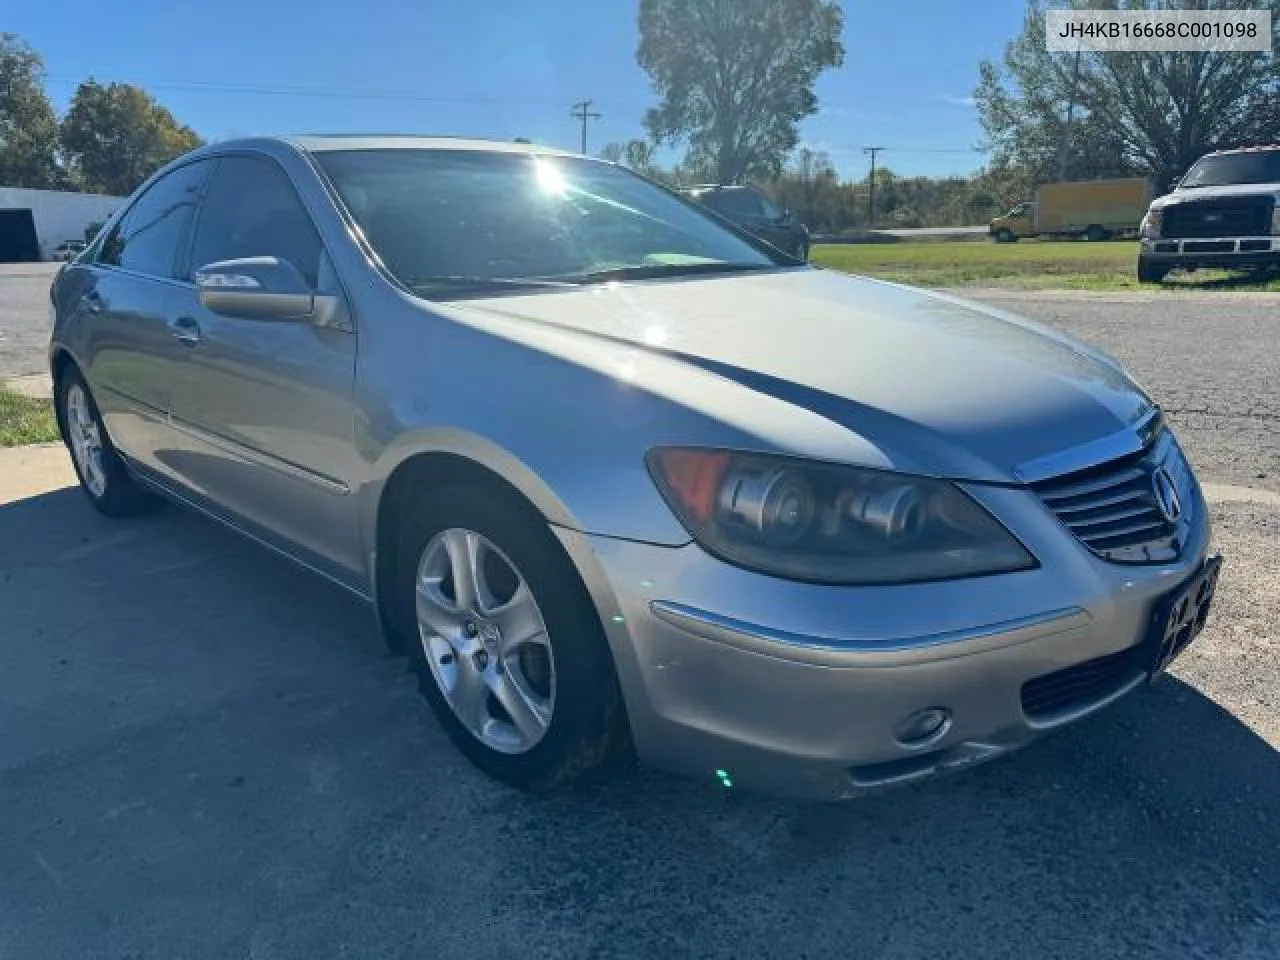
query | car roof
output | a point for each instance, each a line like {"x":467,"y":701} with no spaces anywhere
{"x":362,"y":141}
{"x":1260,"y":148}
{"x":278,"y":145}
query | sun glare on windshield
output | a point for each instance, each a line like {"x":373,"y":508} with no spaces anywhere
{"x":550,"y":180}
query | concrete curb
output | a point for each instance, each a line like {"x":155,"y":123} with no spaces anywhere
{"x":32,"y":470}
{"x":38,"y":386}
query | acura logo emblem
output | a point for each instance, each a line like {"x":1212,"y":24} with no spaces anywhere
{"x":1167,"y":498}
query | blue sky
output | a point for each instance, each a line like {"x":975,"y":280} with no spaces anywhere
{"x":503,"y":68}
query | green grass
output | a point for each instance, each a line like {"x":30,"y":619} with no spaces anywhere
{"x":1028,"y":265}
{"x":23,"y":420}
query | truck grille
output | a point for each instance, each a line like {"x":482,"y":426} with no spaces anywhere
{"x":1112,"y":509}
{"x":1243,"y":217}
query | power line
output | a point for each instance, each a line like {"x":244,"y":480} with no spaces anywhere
{"x":294,"y":90}
{"x":582,"y":111}
{"x":935,"y":149}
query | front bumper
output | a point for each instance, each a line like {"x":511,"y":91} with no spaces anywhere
{"x":801,"y":689}
{"x":1219,"y":252}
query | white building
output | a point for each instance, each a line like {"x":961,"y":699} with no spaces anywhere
{"x":34,"y":222}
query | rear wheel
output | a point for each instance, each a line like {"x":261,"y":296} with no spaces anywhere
{"x":1149,"y":272}
{"x":103,"y":476}
{"x":507,"y":646}
{"x":1005,"y":235}
{"x":1095,"y":232}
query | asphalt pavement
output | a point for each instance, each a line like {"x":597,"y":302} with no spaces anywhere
{"x":24,"y":317}
{"x":205,"y":753}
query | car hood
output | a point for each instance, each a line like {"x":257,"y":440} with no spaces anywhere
{"x":938,"y":384}
{"x":1193,"y":194}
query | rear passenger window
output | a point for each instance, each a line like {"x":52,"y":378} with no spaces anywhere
{"x":252,"y":210}
{"x":147,"y":237}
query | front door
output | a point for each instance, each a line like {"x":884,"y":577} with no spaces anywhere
{"x":134,"y":358}
{"x":266,"y":405}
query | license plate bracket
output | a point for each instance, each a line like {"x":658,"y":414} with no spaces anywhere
{"x":1179,"y":616}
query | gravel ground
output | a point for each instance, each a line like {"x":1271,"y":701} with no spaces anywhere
{"x":205,"y":754}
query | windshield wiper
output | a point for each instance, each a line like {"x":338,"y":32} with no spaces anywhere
{"x":656,"y":270}
{"x":455,"y":280}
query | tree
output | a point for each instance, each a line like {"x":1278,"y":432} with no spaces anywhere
{"x":28,"y":125}
{"x":736,"y":77}
{"x":810,"y":188}
{"x":1151,"y":113}
{"x":637,"y":155}
{"x":116,"y":135}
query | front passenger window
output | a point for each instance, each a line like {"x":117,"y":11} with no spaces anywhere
{"x":147,"y":237}
{"x":252,"y":210}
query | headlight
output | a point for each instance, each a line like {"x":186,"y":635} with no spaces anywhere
{"x":1151,"y":224}
{"x":831,"y":524}
{"x":1275,"y":219}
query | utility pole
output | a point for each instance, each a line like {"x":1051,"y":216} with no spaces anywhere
{"x":582,"y":111}
{"x":871,"y":183}
{"x":1065,"y":145}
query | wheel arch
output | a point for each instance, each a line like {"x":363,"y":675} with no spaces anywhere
{"x":480,"y":462}
{"x":441,"y":457}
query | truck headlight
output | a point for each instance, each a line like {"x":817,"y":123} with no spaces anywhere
{"x":825,"y":523}
{"x":1151,"y":224}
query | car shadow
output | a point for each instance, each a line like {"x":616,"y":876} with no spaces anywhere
{"x":1228,"y":281}
{"x":1151,"y":829}
{"x":207,"y":753}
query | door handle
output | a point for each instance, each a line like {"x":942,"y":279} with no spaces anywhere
{"x":186,"y":331}
{"x":92,"y":301}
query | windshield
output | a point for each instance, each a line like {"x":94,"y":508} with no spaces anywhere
{"x":1231,"y":168}
{"x":469,"y":216}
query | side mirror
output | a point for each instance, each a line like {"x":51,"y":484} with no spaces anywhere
{"x":260,"y":288}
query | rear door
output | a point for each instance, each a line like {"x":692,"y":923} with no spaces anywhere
{"x":266,"y":405}
{"x":131,"y":355}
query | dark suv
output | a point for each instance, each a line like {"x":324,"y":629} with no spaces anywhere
{"x":757,"y":214}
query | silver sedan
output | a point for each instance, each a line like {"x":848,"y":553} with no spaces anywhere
{"x":615,"y":476}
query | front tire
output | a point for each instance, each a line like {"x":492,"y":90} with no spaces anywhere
{"x":103,"y":476}
{"x":1149,"y":272}
{"x":1005,"y":235}
{"x":507,"y":646}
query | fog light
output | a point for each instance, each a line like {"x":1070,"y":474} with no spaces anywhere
{"x":923,"y":726}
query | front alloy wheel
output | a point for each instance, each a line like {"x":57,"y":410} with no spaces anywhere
{"x":485,"y":641}
{"x":508,"y":647}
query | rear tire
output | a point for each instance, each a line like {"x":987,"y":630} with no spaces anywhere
{"x":103,"y":476}
{"x":578,"y":702}
{"x":1149,"y":272}
{"x":1096,"y":232}
{"x":1005,"y":235}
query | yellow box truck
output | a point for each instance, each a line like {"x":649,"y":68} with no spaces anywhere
{"x":1093,"y":209}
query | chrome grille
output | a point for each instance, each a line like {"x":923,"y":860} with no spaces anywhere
{"x":1112,"y":509}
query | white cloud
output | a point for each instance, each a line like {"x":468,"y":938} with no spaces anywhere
{"x":959,"y":101}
